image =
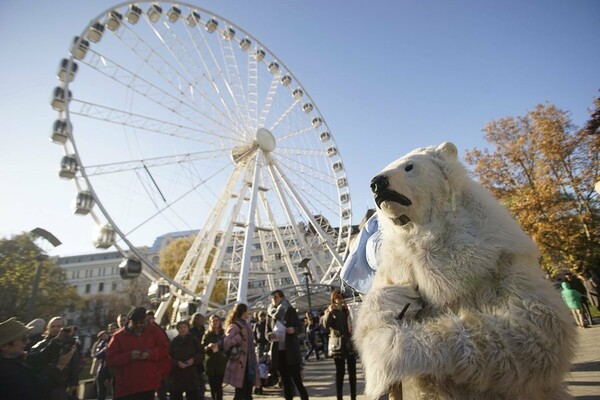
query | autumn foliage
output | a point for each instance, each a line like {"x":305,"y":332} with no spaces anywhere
{"x":543,"y":170}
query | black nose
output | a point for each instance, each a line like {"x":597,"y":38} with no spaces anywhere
{"x":379,"y":184}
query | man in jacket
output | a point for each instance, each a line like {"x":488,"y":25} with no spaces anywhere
{"x":286,"y":356}
{"x":138,"y":354}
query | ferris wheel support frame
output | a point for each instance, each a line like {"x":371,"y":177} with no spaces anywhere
{"x":247,"y":249}
{"x":306,"y":212}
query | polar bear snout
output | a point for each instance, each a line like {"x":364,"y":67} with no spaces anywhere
{"x":379,"y":184}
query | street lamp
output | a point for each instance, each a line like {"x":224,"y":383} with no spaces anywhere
{"x":308,"y":277}
{"x":50,"y":238}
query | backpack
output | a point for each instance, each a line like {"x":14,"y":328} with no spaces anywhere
{"x":234,"y":352}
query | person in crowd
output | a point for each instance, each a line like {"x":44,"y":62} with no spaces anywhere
{"x":56,"y":330}
{"x":198,"y":331}
{"x":98,"y":369}
{"x":122,"y":320}
{"x":591,"y":282}
{"x":215,"y":356}
{"x":312,"y":331}
{"x":186,"y":355}
{"x":18,"y":378}
{"x":285,"y":353}
{"x":573,"y":299}
{"x":339,"y":322}
{"x":36,"y":332}
{"x":260,"y":334}
{"x":162,"y":392}
{"x":323,"y":334}
{"x":242,"y":370}
{"x":138,"y":354}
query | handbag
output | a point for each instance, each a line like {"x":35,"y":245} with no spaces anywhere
{"x":335,"y":344}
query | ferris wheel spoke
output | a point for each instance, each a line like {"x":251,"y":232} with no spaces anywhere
{"x":236,"y":88}
{"x":179,"y":52}
{"x":211,"y":78}
{"x":143,"y":87}
{"x":147,"y":54}
{"x":269,"y":99}
{"x":130,"y":165}
{"x":327,"y":202}
{"x":274,"y":168}
{"x":285,"y":114}
{"x":295,"y":133}
{"x":179,"y":198}
{"x":146,"y":123}
{"x":306,"y":169}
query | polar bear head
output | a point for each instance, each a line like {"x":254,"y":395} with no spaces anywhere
{"x":420,"y":186}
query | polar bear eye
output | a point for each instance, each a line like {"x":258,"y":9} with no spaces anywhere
{"x":408,"y":167}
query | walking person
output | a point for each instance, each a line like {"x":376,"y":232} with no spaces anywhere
{"x":573,"y":299}
{"x":186,"y":355}
{"x":339,"y":323}
{"x":312,"y":330}
{"x":216,"y":361}
{"x":286,"y":357}
{"x":242,"y":370}
{"x":138,"y":354}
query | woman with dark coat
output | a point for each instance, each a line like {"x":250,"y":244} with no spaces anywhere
{"x":216,"y":361}
{"x":241,"y":372}
{"x":339,"y":323}
{"x":186,"y":355}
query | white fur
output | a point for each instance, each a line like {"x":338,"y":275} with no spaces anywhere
{"x":488,"y":325}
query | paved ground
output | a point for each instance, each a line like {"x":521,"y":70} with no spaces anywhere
{"x":583,"y":382}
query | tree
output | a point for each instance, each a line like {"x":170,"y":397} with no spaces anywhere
{"x":543,"y":170}
{"x":172,"y":256}
{"x":19,"y":257}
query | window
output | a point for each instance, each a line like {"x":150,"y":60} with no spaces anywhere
{"x":88,"y":288}
{"x":114,"y":286}
{"x":229,"y":250}
{"x":256,"y":258}
{"x":101,"y":287}
{"x":256,"y":246}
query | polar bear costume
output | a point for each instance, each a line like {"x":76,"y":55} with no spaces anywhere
{"x":482,"y":322}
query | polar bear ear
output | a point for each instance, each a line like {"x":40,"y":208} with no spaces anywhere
{"x":447,"y":151}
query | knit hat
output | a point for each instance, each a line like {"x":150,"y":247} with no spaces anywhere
{"x":37,"y":326}
{"x":11,"y":329}
{"x":137,"y":314}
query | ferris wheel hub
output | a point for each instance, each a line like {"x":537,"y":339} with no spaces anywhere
{"x":265,"y":140}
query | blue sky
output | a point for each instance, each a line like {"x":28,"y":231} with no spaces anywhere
{"x":388,"y":76}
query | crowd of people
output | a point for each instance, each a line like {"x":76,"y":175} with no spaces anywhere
{"x":134,"y":359}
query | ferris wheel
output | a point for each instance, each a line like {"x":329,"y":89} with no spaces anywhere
{"x":173,"y":119}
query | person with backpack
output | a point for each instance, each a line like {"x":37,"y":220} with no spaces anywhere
{"x":242,"y":367}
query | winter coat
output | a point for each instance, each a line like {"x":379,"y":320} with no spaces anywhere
{"x":290,"y":319}
{"x":19,"y":381}
{"x":338,"y":322}
{"x":182,"y":349}
{"x":591,"y":285}
{"x":236,"y":369}
{"x":134,"y":376}
{"x":70,"y":372}
{"x":571,"y":296}
{"x":215,"y":362}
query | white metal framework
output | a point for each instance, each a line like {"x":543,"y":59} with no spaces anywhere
{"x":172,"y":118}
